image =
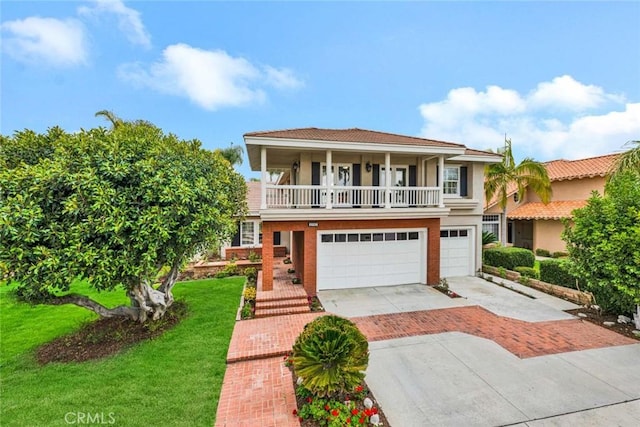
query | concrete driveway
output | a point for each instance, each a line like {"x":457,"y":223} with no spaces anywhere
{"x":457,"y":379}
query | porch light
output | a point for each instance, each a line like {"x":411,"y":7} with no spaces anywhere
{"x":295,"y":166}
{"x":368,"y":166}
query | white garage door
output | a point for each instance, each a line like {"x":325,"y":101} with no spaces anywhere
{"x":363,"y":258}
{"x":456,"y":255}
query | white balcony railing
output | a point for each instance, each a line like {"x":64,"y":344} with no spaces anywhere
{"x":307,"y":196}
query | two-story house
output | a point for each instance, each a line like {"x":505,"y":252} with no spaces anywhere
{"x":534,"y":225}
{"x":366,"y":208}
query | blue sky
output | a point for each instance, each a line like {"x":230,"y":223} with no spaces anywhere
{"x":562,"y":79}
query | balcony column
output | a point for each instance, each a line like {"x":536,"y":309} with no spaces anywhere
{"x":441,"y":179}
{"x":387,"y":180}
{"x":263,"y":177}
{"x":329,"y":180}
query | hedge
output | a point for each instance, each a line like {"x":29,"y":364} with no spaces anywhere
{"x":543,"y":252}
{"x":554,"y":271}
{"x":509,"y":258}
{"x":528,"y":272}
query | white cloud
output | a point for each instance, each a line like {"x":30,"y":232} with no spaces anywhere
{"x":562,"y":118}
{"x":282,"y":78}
{"x":210,"y":78}
{"x":56,"y":42}
{"x":129,"y":20}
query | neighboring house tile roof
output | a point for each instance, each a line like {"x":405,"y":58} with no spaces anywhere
{"x":552,"y":210}
{"x":560,"y":170}
{"x":253,"y":197}
{"x":357,"y":135}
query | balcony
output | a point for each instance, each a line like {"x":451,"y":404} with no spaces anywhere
{"x":314,"y":196}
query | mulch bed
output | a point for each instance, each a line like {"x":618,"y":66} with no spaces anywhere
{"x":595,"y":317}
{"x":107,"y":336}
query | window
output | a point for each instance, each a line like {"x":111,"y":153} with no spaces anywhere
{"x":327,"y":238}
{"x":247,"y":233}
{"x":491,"y":223}
{"x":451,"y":180}
{"x":378,"y":237}
{"x":341,"y":238}
{"x":413,"y":235}
{"x":352,"y":238}
{"x":365,"y":237}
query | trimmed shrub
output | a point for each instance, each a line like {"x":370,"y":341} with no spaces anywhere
{"x":528,"y":272}
{"x":508,"y":258}
{"x":330,"y":355}
{"x":559,"y":254}
{"x":251,"y":273}
{"x":554,"y":271}
{"x":543,"y":252}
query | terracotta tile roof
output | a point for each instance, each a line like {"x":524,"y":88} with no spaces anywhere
{"x":560,"y":170}
{"x":591,"y":167}
{"x":253,"y":197}
{"x":552,"y":210}
{"x":352,"y":135}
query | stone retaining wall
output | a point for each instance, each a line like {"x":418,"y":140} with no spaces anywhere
{"x":573,"y":295}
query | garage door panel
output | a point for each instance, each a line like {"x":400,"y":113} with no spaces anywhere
{"x":456,"y":252}
{"x":371,"y":262}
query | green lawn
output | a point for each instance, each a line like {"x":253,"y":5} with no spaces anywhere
{"x":173,"y":380}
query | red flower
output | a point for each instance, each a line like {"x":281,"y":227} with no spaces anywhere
{"x":348,"y":420}
{"x":358,"y":389}
{"x":300,"y":419}
{"x":335,"y":412}
{"x":374,"y":410}
{"x":361,"y":420}
{"x":326,"y":407}
{"x":368,"y":412}
{"x":309,"y":400}
{"x":354,"y":411}
{"x":295,"y":412}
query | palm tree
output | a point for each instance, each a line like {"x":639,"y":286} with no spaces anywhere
{"x":233,"y":154}
{"x":500,"y":177}
{"x":629,"y":160}
{"x":111,"y":117}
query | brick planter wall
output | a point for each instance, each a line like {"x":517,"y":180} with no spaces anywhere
{"x":243,"y":253}
{"x":201,"y":269}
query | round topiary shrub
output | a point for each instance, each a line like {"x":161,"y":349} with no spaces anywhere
{"x":330,"y":355}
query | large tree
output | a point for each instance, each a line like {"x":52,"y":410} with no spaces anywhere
{"x":604,"y":244}
{"x":113,"y":207}
{"x":501,"y":177}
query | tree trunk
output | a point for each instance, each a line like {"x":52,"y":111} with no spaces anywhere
{"x":146,"y":302}
{"x":503,"y":227}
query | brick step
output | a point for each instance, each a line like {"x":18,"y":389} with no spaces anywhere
{"x":297,"y":302}
{"x":280,"y":296}
{"x":281,"y":311}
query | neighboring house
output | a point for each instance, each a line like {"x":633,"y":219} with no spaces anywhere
{"x":366,"y":208}
{"x":533,"y":225}
{"x":248,"y":237}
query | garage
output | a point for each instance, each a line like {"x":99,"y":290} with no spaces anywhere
{"x":456,"y":255}
{"x":364,"y":258}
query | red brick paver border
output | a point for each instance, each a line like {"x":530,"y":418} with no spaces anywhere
{"x":524,"y":339}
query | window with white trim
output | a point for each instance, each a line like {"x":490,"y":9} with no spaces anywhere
{"x":491,"y":223}
{"x":451,"y":180}
{"x":250,"y":233}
